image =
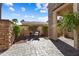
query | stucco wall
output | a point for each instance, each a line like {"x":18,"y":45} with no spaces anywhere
{"x":53,"y":6}
{"x":26,"y":30}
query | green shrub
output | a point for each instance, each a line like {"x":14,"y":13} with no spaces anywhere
{"x":59,"y":31}
{"x":16,"y":30}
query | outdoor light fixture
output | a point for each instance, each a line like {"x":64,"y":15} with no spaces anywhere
{"x":59,"y":17}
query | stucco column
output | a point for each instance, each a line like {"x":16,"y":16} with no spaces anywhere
{"x":50,"y":23}
{"x":76,"y":41}
{"x":52,"y":33}
{"x":54,"y":26}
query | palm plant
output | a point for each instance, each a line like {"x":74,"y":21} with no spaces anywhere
{"x":70,"y":22}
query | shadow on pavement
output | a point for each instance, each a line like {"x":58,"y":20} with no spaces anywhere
{"x":2,"y":51}
{"x":65,"y":48}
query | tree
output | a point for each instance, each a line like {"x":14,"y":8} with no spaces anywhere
{"x":70,"y":22}
{"x":22,"y":21}
{"x":15,"y":21}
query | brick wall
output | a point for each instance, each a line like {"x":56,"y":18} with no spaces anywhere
{"x":6,"y":34}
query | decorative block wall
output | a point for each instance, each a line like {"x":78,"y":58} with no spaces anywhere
{"x":6,"y":34}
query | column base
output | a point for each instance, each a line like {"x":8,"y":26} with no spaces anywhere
{"x":53,"y":39}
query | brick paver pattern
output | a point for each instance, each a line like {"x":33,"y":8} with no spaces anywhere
{"x":44,"y":47}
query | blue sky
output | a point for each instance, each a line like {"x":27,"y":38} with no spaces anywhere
{"x":26,"y":11}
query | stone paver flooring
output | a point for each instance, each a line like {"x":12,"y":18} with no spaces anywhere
{"x":43,"y":47}
{"x":67,"y":40}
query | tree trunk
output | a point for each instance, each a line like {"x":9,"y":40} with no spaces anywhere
{"x":75,"y":35}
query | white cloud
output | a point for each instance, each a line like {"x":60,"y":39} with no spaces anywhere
{"x":27,"y":16}
{"x":46,"y":4}
{"x":44,"y":19}
{"x":9,"y":4}
{"x":23,"y":9}
{"x":43,"y":10}
{"x":42,"y":7}
{"x":38,"y":5}
{"x":38,"y":19}
{"x":11,"y":8}
{"x":16,"y":14}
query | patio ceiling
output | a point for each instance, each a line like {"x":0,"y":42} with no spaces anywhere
{"x":65,"y":9}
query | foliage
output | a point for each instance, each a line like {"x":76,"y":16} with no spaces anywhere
{"x":59,"y":28}
{"x":59,"y":31}
{"x":15,"y":21}
{"x":70,"y":21}
{"x":22,"y":21}
{"x":16,"y":30}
